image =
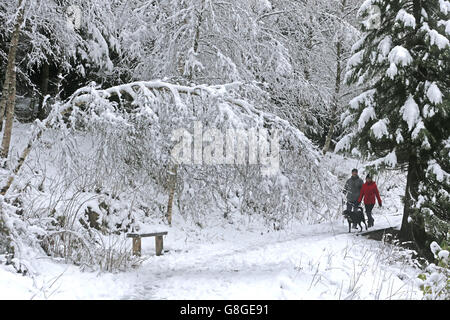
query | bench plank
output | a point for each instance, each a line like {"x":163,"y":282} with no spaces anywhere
{"x":143,"y":235}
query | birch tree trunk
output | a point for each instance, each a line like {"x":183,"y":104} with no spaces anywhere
{"x":10,"y":105}
{"x":5,"y":94}
{"x":9,"y":92}
{"x":7,"y":102}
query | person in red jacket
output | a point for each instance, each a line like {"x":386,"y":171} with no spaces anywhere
{"x":369,"y":191}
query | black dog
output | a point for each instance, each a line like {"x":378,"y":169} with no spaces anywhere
{"x":356,"y":217}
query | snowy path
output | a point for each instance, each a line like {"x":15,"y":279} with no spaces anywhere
{"x":217,"y":272}
{"x":314,"y":263}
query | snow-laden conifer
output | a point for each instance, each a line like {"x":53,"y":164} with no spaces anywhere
{"x":401,"y":119}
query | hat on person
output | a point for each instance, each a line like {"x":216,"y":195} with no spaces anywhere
{"x":354,"y":170}
{"x":369,"y":177}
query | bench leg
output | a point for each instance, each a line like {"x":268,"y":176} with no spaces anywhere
{"x":159,"y":245}
{"x":137,"y":247}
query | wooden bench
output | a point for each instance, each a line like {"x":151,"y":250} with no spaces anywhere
{"x":137,"y":241}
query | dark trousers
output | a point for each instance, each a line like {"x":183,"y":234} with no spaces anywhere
{"x":369,"y":208}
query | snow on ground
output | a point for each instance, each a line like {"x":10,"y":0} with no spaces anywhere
{"x":309,"y":262}
{"x":242,"y":260}
{"x":305,"y":262}
{"x":53,"y":280}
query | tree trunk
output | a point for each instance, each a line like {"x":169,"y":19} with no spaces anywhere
{"x":406,"y":229}
{"x":8,"y":102}
{"x":44,"y":90}
{"x":326,"y":147}
{"x":197,"y":28}
{"x":5,"y":240}
{"x":337,"y":90}
{"x":417,"y":12}
{"x":5,"y":95}
{"x":172,"y":187}
{"x":10,"y":105}
{"x":413,"y":228}
{"x":10,"y":83}
{"x":196,"y":40}
{"x":337,"y":85}
{"x":413,"y":224}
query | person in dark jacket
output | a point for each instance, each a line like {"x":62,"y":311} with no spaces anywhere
{"x":369,"y":192}
{"x":353,"y":189}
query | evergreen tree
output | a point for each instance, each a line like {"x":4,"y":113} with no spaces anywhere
{"x":401,"y":118}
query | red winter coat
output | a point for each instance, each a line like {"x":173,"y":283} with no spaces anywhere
{"x":369,"y":191}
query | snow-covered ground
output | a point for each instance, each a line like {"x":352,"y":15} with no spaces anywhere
{"x":305,"y":262}
{"x":314,"y":262}
{"x":242,"y":260}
